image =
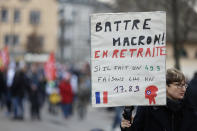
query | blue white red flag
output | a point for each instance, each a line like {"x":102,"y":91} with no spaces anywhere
{"x":101,"y":97}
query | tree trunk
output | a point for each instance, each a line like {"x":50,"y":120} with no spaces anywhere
{"x":175,"y":17}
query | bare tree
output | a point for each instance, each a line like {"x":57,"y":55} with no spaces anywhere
{"x":181,"y":18}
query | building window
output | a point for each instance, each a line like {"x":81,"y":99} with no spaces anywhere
{"x":4,"y":15}
{"x":15,"y":39}
{"x":16,"y":15}
{"x":35,"y":43}
{"x":34,"y":17}
{"x":11,"y":39}
{"x":41,"y":39}
{"x":61,"y":13}
{"x":6,"y":39}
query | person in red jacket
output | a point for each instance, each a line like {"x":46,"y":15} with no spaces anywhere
{"x":66,"y":95}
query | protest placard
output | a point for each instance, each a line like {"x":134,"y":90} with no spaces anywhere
{"x":128,"y":59}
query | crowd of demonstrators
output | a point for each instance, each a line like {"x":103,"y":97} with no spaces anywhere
{"x":21,"y":83}
{"x":75,"y":89}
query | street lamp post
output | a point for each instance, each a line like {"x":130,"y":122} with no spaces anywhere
{"x":175,"y":17}
{"x":62,"y":38}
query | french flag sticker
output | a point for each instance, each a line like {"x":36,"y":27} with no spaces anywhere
{"x":104,"y":97}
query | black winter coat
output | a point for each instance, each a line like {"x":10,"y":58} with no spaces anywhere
{"x":158,"y":118}
{"x":20,"y":84}
{"x":2,"y":84}
{"x":189,"y":122}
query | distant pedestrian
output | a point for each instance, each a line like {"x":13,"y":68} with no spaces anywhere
{"x":84,"y":93}
{"x":74,"y":85}
{"x":42,"y":86}
{"x":34,"y":94}
{"x":10,"y":73}
{"x":53,"y":97}
{"x":66,"y":95}
{"x":84,"y":90}
{"x":18,"y":90}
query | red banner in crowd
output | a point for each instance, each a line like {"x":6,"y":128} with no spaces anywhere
{"x":50,"y":69}
{"x":4,"y":58}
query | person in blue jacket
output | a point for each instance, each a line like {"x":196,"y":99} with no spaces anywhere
{"x":161,"y":118}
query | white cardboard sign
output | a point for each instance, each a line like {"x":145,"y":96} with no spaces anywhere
{"x":128,"y":54}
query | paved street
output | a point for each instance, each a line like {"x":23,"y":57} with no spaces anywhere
{"x":96,"y":118}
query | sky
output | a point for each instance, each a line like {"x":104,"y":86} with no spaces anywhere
{"x":195,"y":8}
{"x":107,"y":1}
{"x":113,"y":2}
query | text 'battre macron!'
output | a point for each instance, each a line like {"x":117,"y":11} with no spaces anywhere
{"x":129,"y":25}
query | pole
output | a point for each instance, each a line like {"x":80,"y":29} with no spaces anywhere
{"x":175,"y":28}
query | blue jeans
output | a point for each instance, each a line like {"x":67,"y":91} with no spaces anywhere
{"x":18,"y":106}
{"x":66,"y":108}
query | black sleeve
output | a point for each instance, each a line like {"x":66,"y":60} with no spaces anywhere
{"x":2,"y":84}
{"x":139,"y":120}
